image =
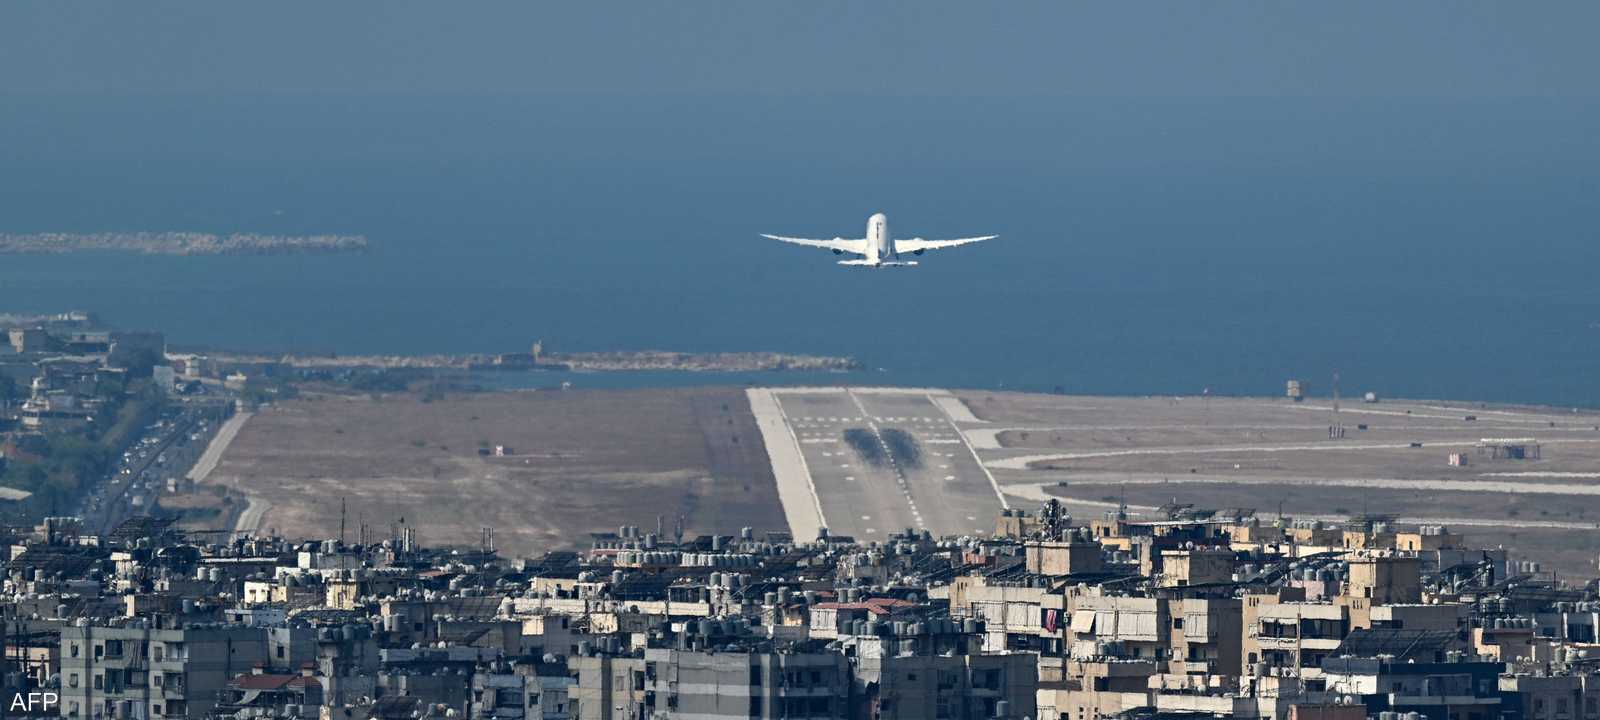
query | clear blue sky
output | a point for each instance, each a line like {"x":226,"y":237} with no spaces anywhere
{"x":960,"y":49}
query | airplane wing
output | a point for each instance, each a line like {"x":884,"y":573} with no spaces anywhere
{"x":917,"y":245}
{"x":848,"y":245}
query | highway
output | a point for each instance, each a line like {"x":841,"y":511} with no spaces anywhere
{"x":877,"y":461}
{"x":162,"y":452}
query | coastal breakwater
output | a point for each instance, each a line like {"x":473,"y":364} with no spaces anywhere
{"x":707,"y":362}
{"x":178,"y":243}
{"x":616,"y":361}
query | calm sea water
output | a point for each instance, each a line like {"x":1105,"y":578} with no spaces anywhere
{"x":1429,"y":249}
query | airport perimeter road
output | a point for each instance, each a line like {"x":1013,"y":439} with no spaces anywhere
{"x":908,"y":466}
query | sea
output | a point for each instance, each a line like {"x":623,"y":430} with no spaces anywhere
{"x":1421,"y":248}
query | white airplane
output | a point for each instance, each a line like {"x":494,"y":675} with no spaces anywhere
{"x":877,"y":250}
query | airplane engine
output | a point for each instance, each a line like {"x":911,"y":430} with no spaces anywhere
{"x":918,"y":252}
{"x":838,"y":252}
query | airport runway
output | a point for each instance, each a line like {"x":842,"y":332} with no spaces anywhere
{"x":874,"y":461}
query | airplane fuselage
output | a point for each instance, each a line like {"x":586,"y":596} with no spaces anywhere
{"x":879,"y":251}
{"x":880,"y":247}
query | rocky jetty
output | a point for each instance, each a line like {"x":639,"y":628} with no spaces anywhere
{"x":179,"y":243}
{"x":712,"y":362}
{"x":581,"y":361}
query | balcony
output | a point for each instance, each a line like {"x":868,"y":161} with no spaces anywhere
{"x":1398,"y":700}
{"x":1269,"y":642}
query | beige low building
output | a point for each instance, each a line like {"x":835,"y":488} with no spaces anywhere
{"x":1196,"y":566}
{"x":1205,"y":636}
{"x":1097,"y":688}
{"x":1385,"y":579}
{"x":1078,"y":556}
{"x":1291,"y":638}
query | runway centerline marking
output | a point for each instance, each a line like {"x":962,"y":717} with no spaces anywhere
{"x":900,"y":475}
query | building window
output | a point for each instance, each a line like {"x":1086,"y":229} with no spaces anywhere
{"x":72,"y":681}
{"x":74,"y":649}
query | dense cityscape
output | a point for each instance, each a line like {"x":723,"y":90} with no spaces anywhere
{"x":120,"y":608}
{"x":1200,"y":615}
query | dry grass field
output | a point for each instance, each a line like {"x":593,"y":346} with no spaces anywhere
{"x":582,"y":461}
